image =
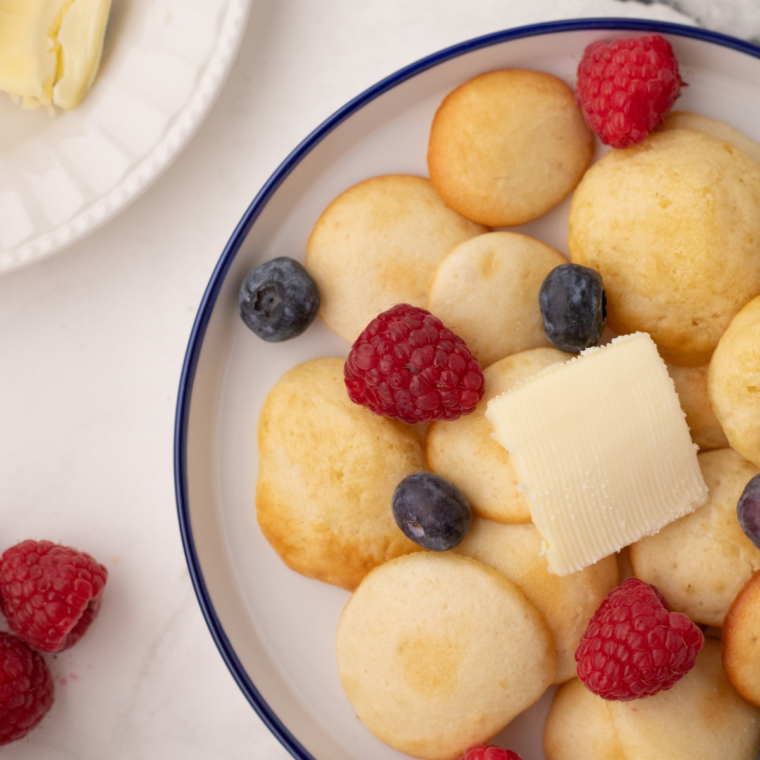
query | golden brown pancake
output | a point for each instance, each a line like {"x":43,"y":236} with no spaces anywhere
{"x":437,"y":652}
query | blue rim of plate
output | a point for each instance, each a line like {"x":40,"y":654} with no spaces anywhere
{"x":203,"y":316}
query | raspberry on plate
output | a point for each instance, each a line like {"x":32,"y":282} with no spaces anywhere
{"x":408,"y":366}
{"x":489,"y":752}
{"x":634,"y":647}
{"x":50,"y":593}
{"x":26,"y":688}
{"x":626,"y":87}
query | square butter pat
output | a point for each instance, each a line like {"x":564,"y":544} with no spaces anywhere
{"x":601,"y":448}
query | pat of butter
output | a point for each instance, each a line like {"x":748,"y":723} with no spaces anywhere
{"x":601,"y":448}
{"x":50,"y":49}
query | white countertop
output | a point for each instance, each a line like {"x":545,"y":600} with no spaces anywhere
{"x":92,"y":346}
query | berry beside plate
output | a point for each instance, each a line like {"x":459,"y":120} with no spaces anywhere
{"x":50,"y":593}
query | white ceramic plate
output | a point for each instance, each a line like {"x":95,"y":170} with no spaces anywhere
{"x":62,"y":176}
{"x":274,"y":628}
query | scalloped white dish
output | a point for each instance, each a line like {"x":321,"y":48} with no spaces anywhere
{"x":64,"y":175}
{"x":275,"y":629}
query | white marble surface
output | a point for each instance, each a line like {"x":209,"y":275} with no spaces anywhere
{"x":92,"y":346}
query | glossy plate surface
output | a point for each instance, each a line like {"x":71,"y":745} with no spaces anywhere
{"x":63,"y":175}
{"x":274,"y":628}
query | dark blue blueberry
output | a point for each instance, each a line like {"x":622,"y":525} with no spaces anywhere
{"x":431,"y":511}
{"x":573,"y":306}
{"x":748,"y":510}
{"x":278,"y":300}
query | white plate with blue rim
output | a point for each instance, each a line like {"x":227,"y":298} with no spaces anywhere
{"x":63,"y":174}
{"x":274,"y":628}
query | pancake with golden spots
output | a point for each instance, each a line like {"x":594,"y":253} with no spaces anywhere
{"x":672,"y":225}
{"x":464,"y":451}
{"x":741,"y":641}
{"x":437,"y":652}
{"x":701,"y":561}
{"x":327,"y":472}
{"x":700,"y":718}
{"x":713,"y":127}
{"x":508,"y":145}
{"x":704,"y":426}
{"x":486,"y":291}
{"x":379,"y":243}
{"x":567,"y":602}
{"x":733,"y":381}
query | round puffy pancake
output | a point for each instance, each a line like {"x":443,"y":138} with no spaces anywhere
{"x":733,"y":381}
{"x":486,"y":291}
{"x":327,"y":472}
{"x":379,"y":243}
{"x":701,"y":561}
{"x":507,"y":146}
{"x":691,"y":387}
{"x":672,"y":226}
{"x":713,"y":127}
{"x":700,"y":718}
{"x":567,"y":603}
{"x":741,"y":641}
{"x":437,"y":652}
{"x":464,"y":452}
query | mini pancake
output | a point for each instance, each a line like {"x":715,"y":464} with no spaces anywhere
{"x":437,"y":652}
{"x":741,"y":641}
{"x":672,"y":226}
{"x":379,"y":243}
{"x":700,"y":718}
{"x":713,"y":127}
{"x":486,"y":291}
{"x":507,"y":146}
{"x":327,"y":472}
{"x":567,"y":603}
{"x":701,"y":561}
{"x":579,"y":726}
{"x":464,"y":451}
{"x":733,"y":382}
{"x":691,"y":387}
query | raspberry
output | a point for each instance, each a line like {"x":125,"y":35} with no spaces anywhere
{"x":633,"y":647}
{"x":626,"y":87}
{"x":489,"y":752}
{"x":50,"y":593}
{"x":408,"y":366}
{"x":26,"y":688}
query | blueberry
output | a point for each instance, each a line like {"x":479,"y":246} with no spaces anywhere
{"x":431,"y":511}
{"x":573,"y":306}
{"x":278,"y":300}
{"x":748,"y":510}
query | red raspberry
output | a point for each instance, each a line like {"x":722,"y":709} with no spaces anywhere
{"x":633,"y":647}
{"x":408,"y":366}
{"x":626,"y":87}
{"x":489,"y":752}
{"x":26,"y":688}
{"x":50,"y":593}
